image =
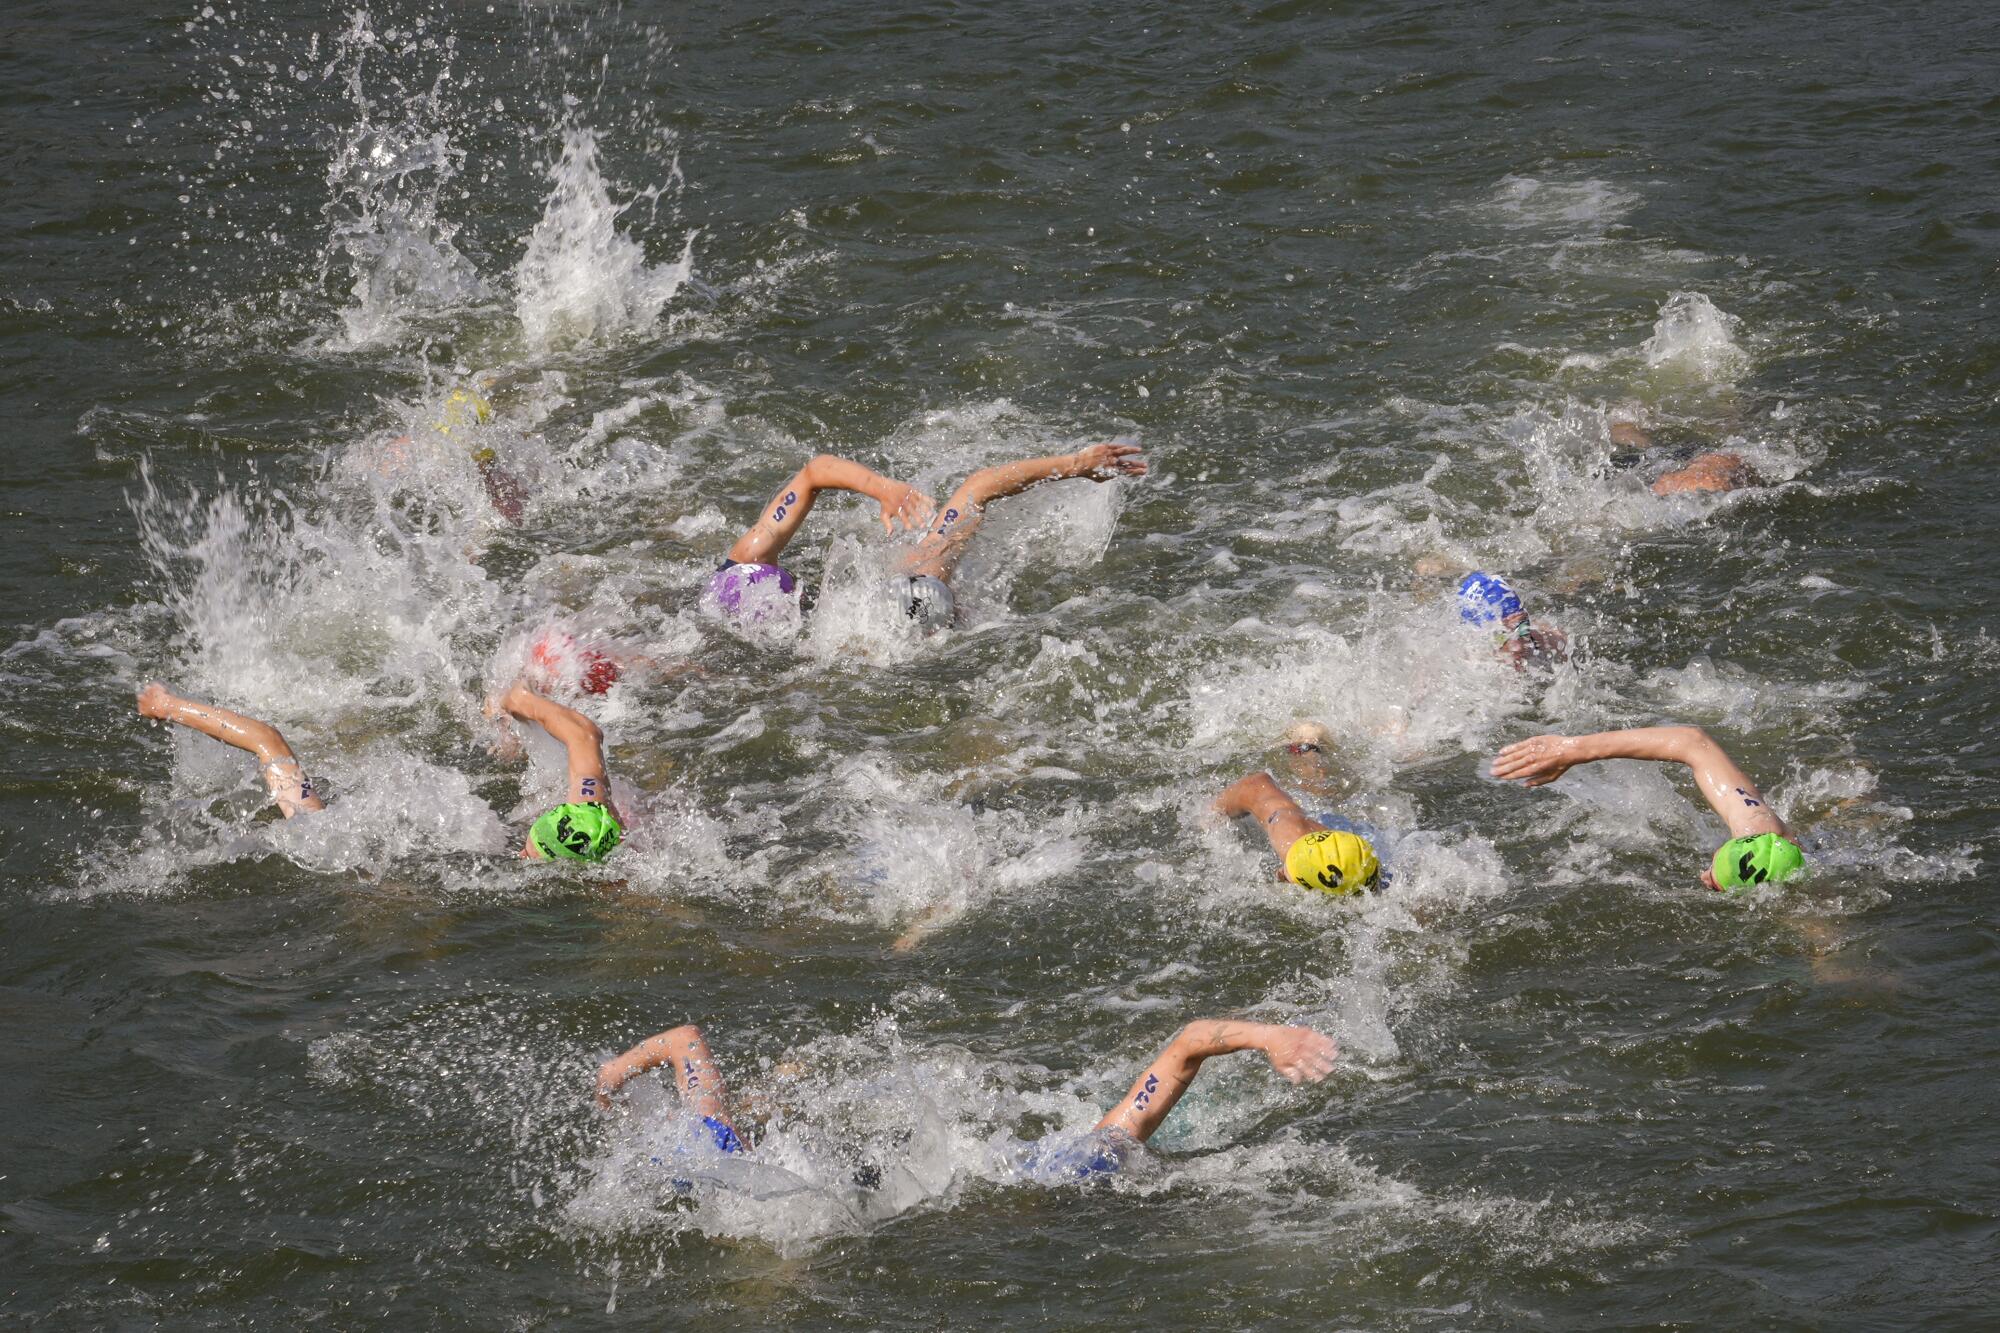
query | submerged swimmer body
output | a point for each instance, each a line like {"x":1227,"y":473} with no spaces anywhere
{"x":752,"y":563}
{"x":1300,"y":1054}
{"x":925,"y":583}
{"x":585,"y":827}
{"x":1761,"y":849}
{"x":1708,"y":470}
{"x":1329,"y":855}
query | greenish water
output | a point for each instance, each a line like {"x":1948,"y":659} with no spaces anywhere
{"x":1369,"y":283}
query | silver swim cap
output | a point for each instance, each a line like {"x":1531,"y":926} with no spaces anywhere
{"x":927,"y":600}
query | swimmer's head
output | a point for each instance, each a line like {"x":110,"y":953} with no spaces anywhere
{"x":751,"y":591}
{"x":1334,"y":862}
{"x":1741,"y":864}
{"x":927,"y":600}
{"x":576,"y":831}
{"x":463,"y":409}
{"x":1484,"y":598}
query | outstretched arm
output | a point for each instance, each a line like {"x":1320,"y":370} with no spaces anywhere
{"x":696,"y":1075}
{"x":1300,"y":1054}
{"x":942,"y":546}
{"x":290,"y":787}
{"x":1260,"y":798}
{"x":1727,"y":789}
{"x":768,"y":537}
{"x":582,"y":742}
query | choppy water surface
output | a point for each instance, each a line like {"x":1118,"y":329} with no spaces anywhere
{"x":1370,"y":283}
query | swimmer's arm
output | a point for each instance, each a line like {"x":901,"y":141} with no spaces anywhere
{"x":1260,"y":798}
{"x":1726,"y":787}
{"x":582,"y":741}
{"x":696,"y":1075}
{"x":1099,"y":462}
{"x":1300,"y":1054}
{"x":280,"y":768}
{"x":773,"y":530}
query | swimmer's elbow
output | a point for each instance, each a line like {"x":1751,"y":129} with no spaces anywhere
{"x":1692,"y":744}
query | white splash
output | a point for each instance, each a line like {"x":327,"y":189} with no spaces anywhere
{"x":581,"y":278}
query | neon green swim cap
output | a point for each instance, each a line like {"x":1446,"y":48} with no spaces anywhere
{"x":1767,"y":858}
{"x":576,"y":832}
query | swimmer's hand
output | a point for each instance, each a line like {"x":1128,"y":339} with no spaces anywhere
{"x":155,"y":701}
{"x":1300,"y":1054}
{"x":1102,"y":462}
{"x":906,"y":505}
{"x":1538,"y":761}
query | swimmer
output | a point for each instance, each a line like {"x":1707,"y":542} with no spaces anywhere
{"x":1760,"y":848}
{"x":925,"y":583}
{"x":585,"y":828}
{"x":1490,"y":601}
{"x":1709,"y":470}
{"x":463,"y":412}
{"x":282,"y":773}
{"x":752,"y":561}
{"x":1300,"y":1054}
{"x":1328,"y":854}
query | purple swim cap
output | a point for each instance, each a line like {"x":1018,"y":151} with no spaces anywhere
{"x":750,"y":591}
{"x":1484,"y":598}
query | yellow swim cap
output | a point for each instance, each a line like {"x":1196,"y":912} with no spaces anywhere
{"x":1330,"y":861}
{"x":463,"y":408}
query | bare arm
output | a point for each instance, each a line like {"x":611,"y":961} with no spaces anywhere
{"x":1260,"y":798}
{"x":286,"y":778}
{"x":1300,"y":1054}
{"x":696,"y":1075}
{"x":773,"y":529}
{"x":942,"y":546}
{"x":1727,"y":789}
{"x":582,"y":742}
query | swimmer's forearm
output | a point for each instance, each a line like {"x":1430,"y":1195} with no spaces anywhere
{"x":1675,"y":745}
{"x":829,"y":472}
{"x":1207,"y":1037}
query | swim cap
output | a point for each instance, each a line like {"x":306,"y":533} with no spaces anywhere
{"x":927,"y":600}
{"x":463,"y":408}
{"x":1484,"y":598}
{"x":576,"y":831}
{"x":1766,"y":858}
{"x":561,"y":657}
{"x":750,"y":590}
{"x":725,"y":1137}
{"x":1332,"y":861}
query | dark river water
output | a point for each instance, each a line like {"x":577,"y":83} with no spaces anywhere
{"x":1371,"y":284}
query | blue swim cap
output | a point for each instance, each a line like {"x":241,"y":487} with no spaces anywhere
{"x":1484,"y":598}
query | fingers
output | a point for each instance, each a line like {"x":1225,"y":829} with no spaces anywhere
{"x":1526,"y":760}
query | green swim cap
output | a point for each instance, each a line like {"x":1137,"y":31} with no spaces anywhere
{"x":576,"y":832}
{"x":1767,"y":858}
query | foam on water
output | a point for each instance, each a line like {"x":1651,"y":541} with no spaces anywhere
{"x":1587,"y":204}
